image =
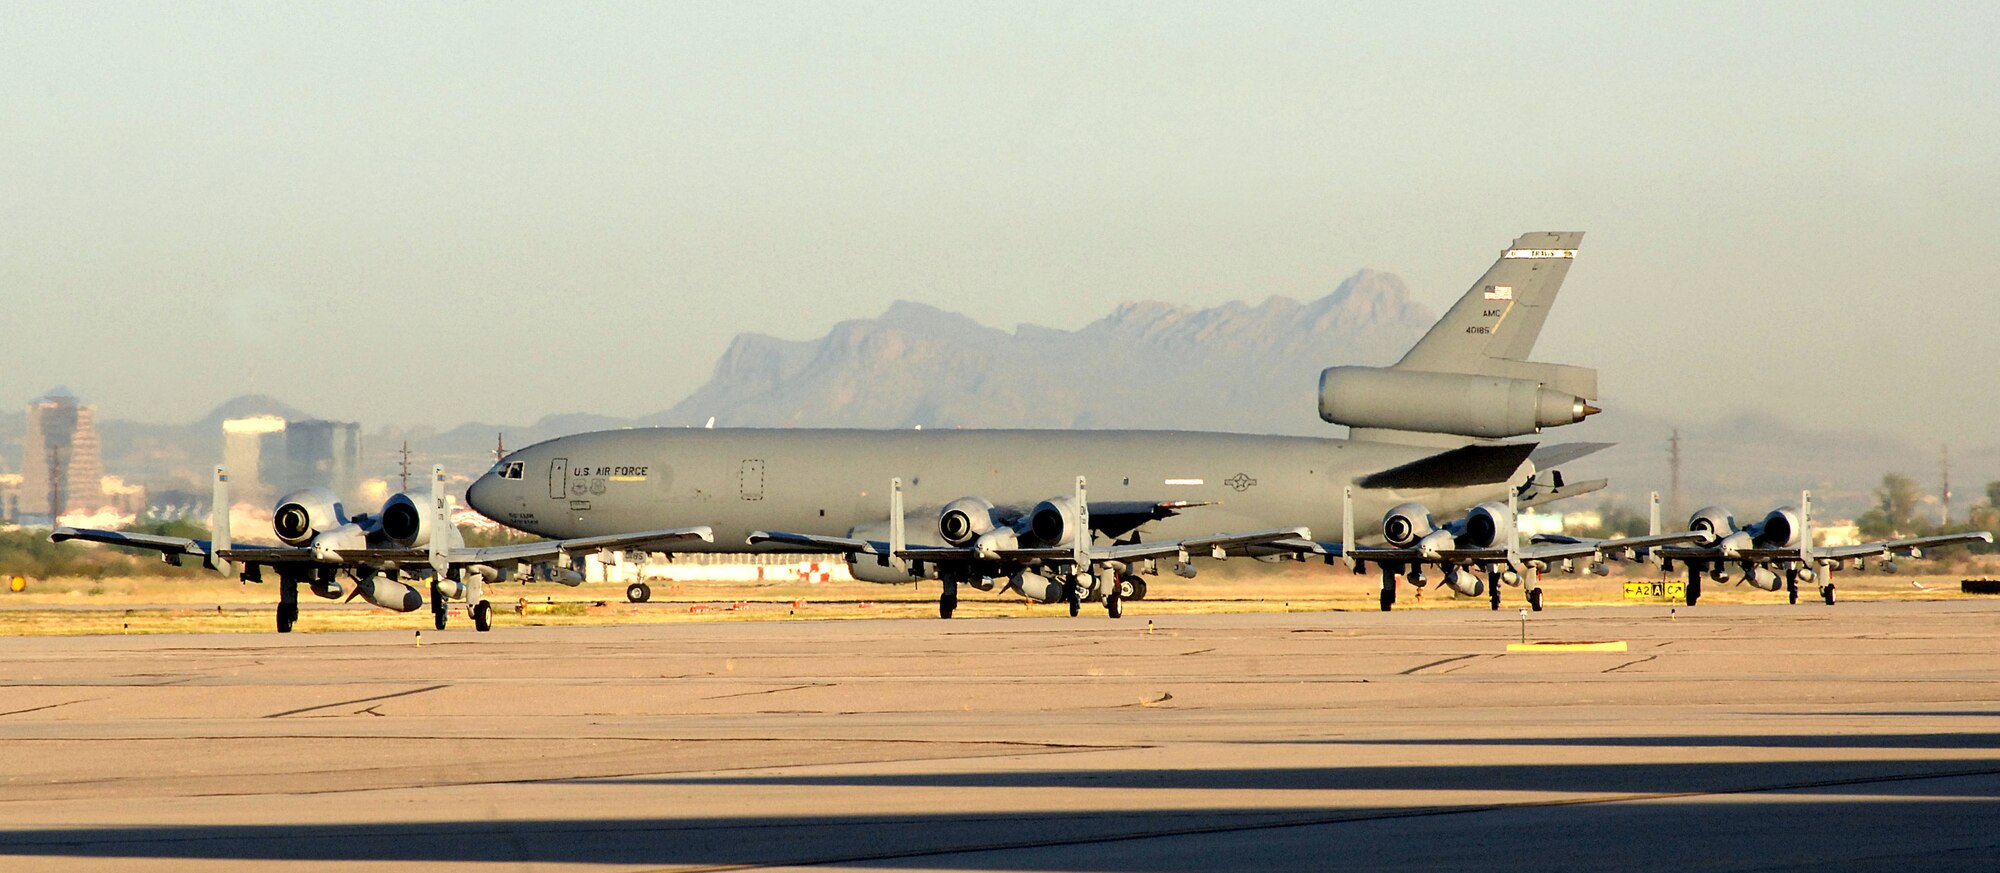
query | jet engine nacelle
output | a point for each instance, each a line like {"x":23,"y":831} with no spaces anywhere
{"x":302,"y":515}
{"x":390,"y":595}
{"x":1055,"y":522}
{"x":1488,"y":526}
{"x":868,"y":568}
{"x":1407,"y":523}
{"x":964,"y":520}
{"x":406,"y":520}
{"x":1711,"y":523}
{"x":1761,"y":577}
{"x":1036,"y":586}
{"x":1779,"y":530}
{"x":1464,"y":581}
{"x":1453,"y":403}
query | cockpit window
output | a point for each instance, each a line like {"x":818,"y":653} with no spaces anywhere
{"x":511,"y":470}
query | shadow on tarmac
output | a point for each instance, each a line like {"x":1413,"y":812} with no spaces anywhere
{"x":1922,"y":814}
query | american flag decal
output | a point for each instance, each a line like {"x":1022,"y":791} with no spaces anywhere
{"x":1499,"y":292}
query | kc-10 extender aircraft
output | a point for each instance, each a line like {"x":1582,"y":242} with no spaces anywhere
{"x":412,"y":534}
{"x":1423,"y":430}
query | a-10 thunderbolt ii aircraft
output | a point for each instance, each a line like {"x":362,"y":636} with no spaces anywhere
{"x":411,"y":537}
{"x":1047,"y":553}
{"x":1782,"y":543}
{"x":1428,"y":429}
{"x":1486,"y":540}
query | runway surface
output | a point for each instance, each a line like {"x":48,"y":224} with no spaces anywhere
{"x":1860,"y":737}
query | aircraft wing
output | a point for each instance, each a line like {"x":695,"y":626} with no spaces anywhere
{"x":164,"y":545}
{"x":1938,"y":541}
{"x":176,"y":547}
{"x":811,"y":543}
{"x":1139,"y":551}
{"x":527,"y":553}
{"x":1116,"y":518}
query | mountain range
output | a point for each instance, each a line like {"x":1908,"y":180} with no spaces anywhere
{"x":1240,"y":367}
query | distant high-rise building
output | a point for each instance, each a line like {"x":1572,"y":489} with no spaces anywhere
{"x":252,"y":450}
{"x":267,"y":456}
{"x":62,"y":464}
{"x":323,"y":454}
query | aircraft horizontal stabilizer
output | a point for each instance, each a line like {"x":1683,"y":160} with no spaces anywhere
{"x":1465,"y":466}
{"x":1547,"y":456}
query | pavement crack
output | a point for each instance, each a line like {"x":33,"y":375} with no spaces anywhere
{"x":1437,"y":663}
{"x":48,"y":706}
{"x":1629,"y":664}
{"x":772,"y":690}
{"x":355,"y":701}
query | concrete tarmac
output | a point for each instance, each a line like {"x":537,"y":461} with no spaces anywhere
{"x":1864,"y":736}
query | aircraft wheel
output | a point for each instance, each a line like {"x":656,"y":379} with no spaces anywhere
{"x":1793,"y":593}
{"x":287,"y":616}
{"x":638,"y":592}
{"x":1131,"y":588}
{"x":1493,"y":593}
{"x":1114,"y":606}
{"x":1075,"y":598}
{"x":946,"y":605}
{"x":1826,"y":594}
{"x":437,"y":618}
{"x":482,"y":616}
{"x":1388,"y":600}
{"x":1535,"y":599}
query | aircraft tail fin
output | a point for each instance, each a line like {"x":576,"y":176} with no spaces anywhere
{"x":1492,"y":329}
{"x":439,"y":544}
{"x":218,"y":523}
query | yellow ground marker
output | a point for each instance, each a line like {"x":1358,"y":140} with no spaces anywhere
{"x":1611,"y":646}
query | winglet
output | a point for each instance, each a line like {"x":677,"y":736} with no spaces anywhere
{"x":218,"y":524}
{"x":1080,"y":544}
{"x":440,"y":538}
{"x":898,"y":536}
{"x":1347,"y":526}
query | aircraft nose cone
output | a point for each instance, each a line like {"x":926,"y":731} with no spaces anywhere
{"x":480,"y":491}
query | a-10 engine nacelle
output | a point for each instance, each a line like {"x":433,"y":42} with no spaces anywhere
{"x":405,"y":521}
{"x":1487,"y":526}
{"x":1780,"y":529}
{"x":1055,"y":522}
{"x":1406,"y":524}
{"x":963,"y":520}
{"x":302,"y":515}
{"x":1711,"y":523}
{"x":1451,"y":403}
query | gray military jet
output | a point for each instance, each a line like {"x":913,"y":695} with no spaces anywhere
{"x":411,"y":536}
{"x":1782,"y":543}
{"x":1047,"y":553}
{"x":1427,"y":429}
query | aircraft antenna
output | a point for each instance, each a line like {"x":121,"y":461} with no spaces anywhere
{"x":406,"y":466}
{"x":1944,"y":486}
{"x":1674,"y":474}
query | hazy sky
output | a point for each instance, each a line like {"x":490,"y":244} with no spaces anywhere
{"x":427,"y":214}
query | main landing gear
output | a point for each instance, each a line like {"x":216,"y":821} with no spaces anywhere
{"x":948,"y":601}
{"x":1388,"y":589}
{"x":1792,"y":586}
{"x":288,"y":602}
{"x":1826,"y":593}
{"x":638,"y":592}
{"x":1694,"y":584}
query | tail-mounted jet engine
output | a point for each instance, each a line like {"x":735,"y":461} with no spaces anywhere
{"x":1779,"y":530}
{"x":405,"y":520}
{"x":1487,"y":526}
{"x":1452,"y":403}
{"x":1055,"y":522}
{"x":302,"y":515}
{"x":1405,"y":525}
{"x":1711,"y":523}
{"x":963,"y":520}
